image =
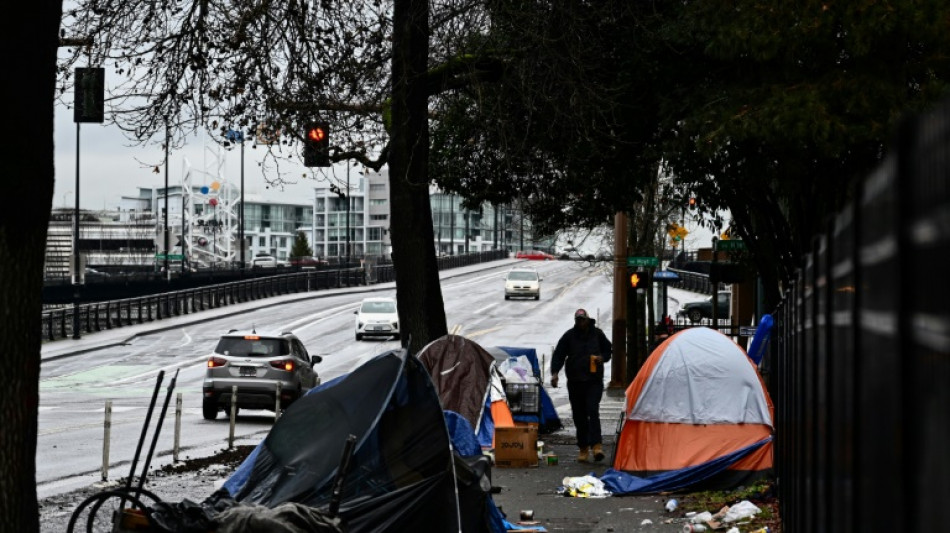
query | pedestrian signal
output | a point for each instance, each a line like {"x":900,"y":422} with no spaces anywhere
{"x":316,"y":145}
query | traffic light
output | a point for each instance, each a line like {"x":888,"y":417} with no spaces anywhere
{"x":639,"y":279}
{"x":316,"y":145}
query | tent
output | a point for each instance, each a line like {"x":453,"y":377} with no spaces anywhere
{"x":547,"y":418}
{"x":697,"y":415}
{"x":403,"y":475}
{"x":467,"y":379}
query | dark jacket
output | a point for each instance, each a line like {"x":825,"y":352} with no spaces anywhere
{"x":573,"y":353}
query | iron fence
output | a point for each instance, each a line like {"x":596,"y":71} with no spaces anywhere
{"x":860,"y":360}
{"x":65,"y":322}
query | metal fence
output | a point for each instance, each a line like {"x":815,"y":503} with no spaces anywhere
{"x":860,"y":362}
{"x":74,"y":321}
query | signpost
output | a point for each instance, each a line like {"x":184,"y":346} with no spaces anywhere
{"x":642,"y":262}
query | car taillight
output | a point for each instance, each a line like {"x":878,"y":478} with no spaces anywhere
{"x":216,"y":362}
{"x":287,"y":365}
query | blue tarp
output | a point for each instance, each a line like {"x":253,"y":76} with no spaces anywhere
{"x":622,"y":483}
{"x":548,"y":420}
{"x":760,"y":341}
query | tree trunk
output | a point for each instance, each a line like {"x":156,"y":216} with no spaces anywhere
{"x":418,"y":292}
{"x":30,"y":43}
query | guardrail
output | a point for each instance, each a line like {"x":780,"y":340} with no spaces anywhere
{"x":74,"y":321}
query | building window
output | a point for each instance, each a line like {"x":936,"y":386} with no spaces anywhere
{"x":377,"y":201}
{"x":377,"y":186}
{"x":379,"y":217}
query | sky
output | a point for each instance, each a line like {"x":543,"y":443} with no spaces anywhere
{"x":111,"y":167}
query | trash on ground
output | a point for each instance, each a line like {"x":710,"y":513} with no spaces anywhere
{"x":743,"y":509}
{"x":646,"y":522}
{"x":583,"y":487}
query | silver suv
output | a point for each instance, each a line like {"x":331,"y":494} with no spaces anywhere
{"x":256,"y":363}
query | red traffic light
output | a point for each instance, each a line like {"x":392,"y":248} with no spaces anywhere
{"x":316,"y":133}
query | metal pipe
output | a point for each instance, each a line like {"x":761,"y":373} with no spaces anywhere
{"x":158,"y":431}
{"x":148,"y":419}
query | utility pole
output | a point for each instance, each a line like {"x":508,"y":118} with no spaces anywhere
{"x":618,"y":360}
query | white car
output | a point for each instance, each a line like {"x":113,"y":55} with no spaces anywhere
{"x":377,"y":317}
{"x":523,"y":282}
{"x":268,"y":261}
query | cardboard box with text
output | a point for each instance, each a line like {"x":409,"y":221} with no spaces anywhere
{"x":516,"y":447}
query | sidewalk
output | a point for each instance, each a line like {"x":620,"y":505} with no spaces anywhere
{"x":519,"y":489}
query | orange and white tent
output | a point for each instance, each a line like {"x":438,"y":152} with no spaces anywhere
{"x":696,"y":415}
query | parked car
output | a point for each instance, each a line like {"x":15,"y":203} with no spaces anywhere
{"x":697,"y":311}
{"x":256,"y":363}
{"x":268,"y":261}
{"x":377,"y":317}
{"x":535,"y":255}
{"x":523,"y":282}
{"x":308,"y":262}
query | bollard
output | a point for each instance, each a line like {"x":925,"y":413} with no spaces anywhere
{"x":277,"y":403}
{"x":177,"y":447}
{"x":107,"y":431}
{"x":233,"y":416}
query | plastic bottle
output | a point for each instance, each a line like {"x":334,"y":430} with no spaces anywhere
{"x":671,"y":505}
{"x":694,"y":528}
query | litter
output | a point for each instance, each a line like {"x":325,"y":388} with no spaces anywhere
{"x":583,"y":487}
{"x":743,"y":509}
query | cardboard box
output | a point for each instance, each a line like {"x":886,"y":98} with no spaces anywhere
{"x":516,"y":447}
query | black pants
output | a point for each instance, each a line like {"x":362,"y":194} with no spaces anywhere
{"x":585,"y":408}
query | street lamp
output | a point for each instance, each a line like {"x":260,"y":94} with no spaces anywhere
{"x":168,"y":273}
{"x":238,"y":136}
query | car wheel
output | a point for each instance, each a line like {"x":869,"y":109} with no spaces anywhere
{"x":209,"y":408}
{"x":537,"y":296}
{"x":695,"y":316}
{"x":507,"y":297}
{"x":359,"y":337}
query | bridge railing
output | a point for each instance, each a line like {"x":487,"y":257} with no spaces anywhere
{"x":74,"y":321}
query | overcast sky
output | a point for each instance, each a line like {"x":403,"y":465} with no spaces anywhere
{"x":109,"y":167}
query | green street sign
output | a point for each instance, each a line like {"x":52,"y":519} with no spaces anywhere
{"x":730,"y":245}
{"x":171,"y":257}
{"x":642,"y":262}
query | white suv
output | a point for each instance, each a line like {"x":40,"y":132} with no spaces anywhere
{"x":523,"y":282}
{"x":377,"y":317}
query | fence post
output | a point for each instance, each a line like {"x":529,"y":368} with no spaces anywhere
{"x":233,"y":416}
{"x":107,"y":431}
{"x":177,"y":446}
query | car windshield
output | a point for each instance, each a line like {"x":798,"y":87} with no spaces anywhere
{"x":523,"y":276}
{"x":252,"y":347}
{"x":378,"y":307}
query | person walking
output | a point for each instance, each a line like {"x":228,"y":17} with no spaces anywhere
{"x":582,"y":352}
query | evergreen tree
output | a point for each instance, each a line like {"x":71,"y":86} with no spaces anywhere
{"x":301,"y":247}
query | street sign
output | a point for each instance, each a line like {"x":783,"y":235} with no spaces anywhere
{"x":730,"y":245}
{"x":642,"y":262}
{"x":171,"y":257}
